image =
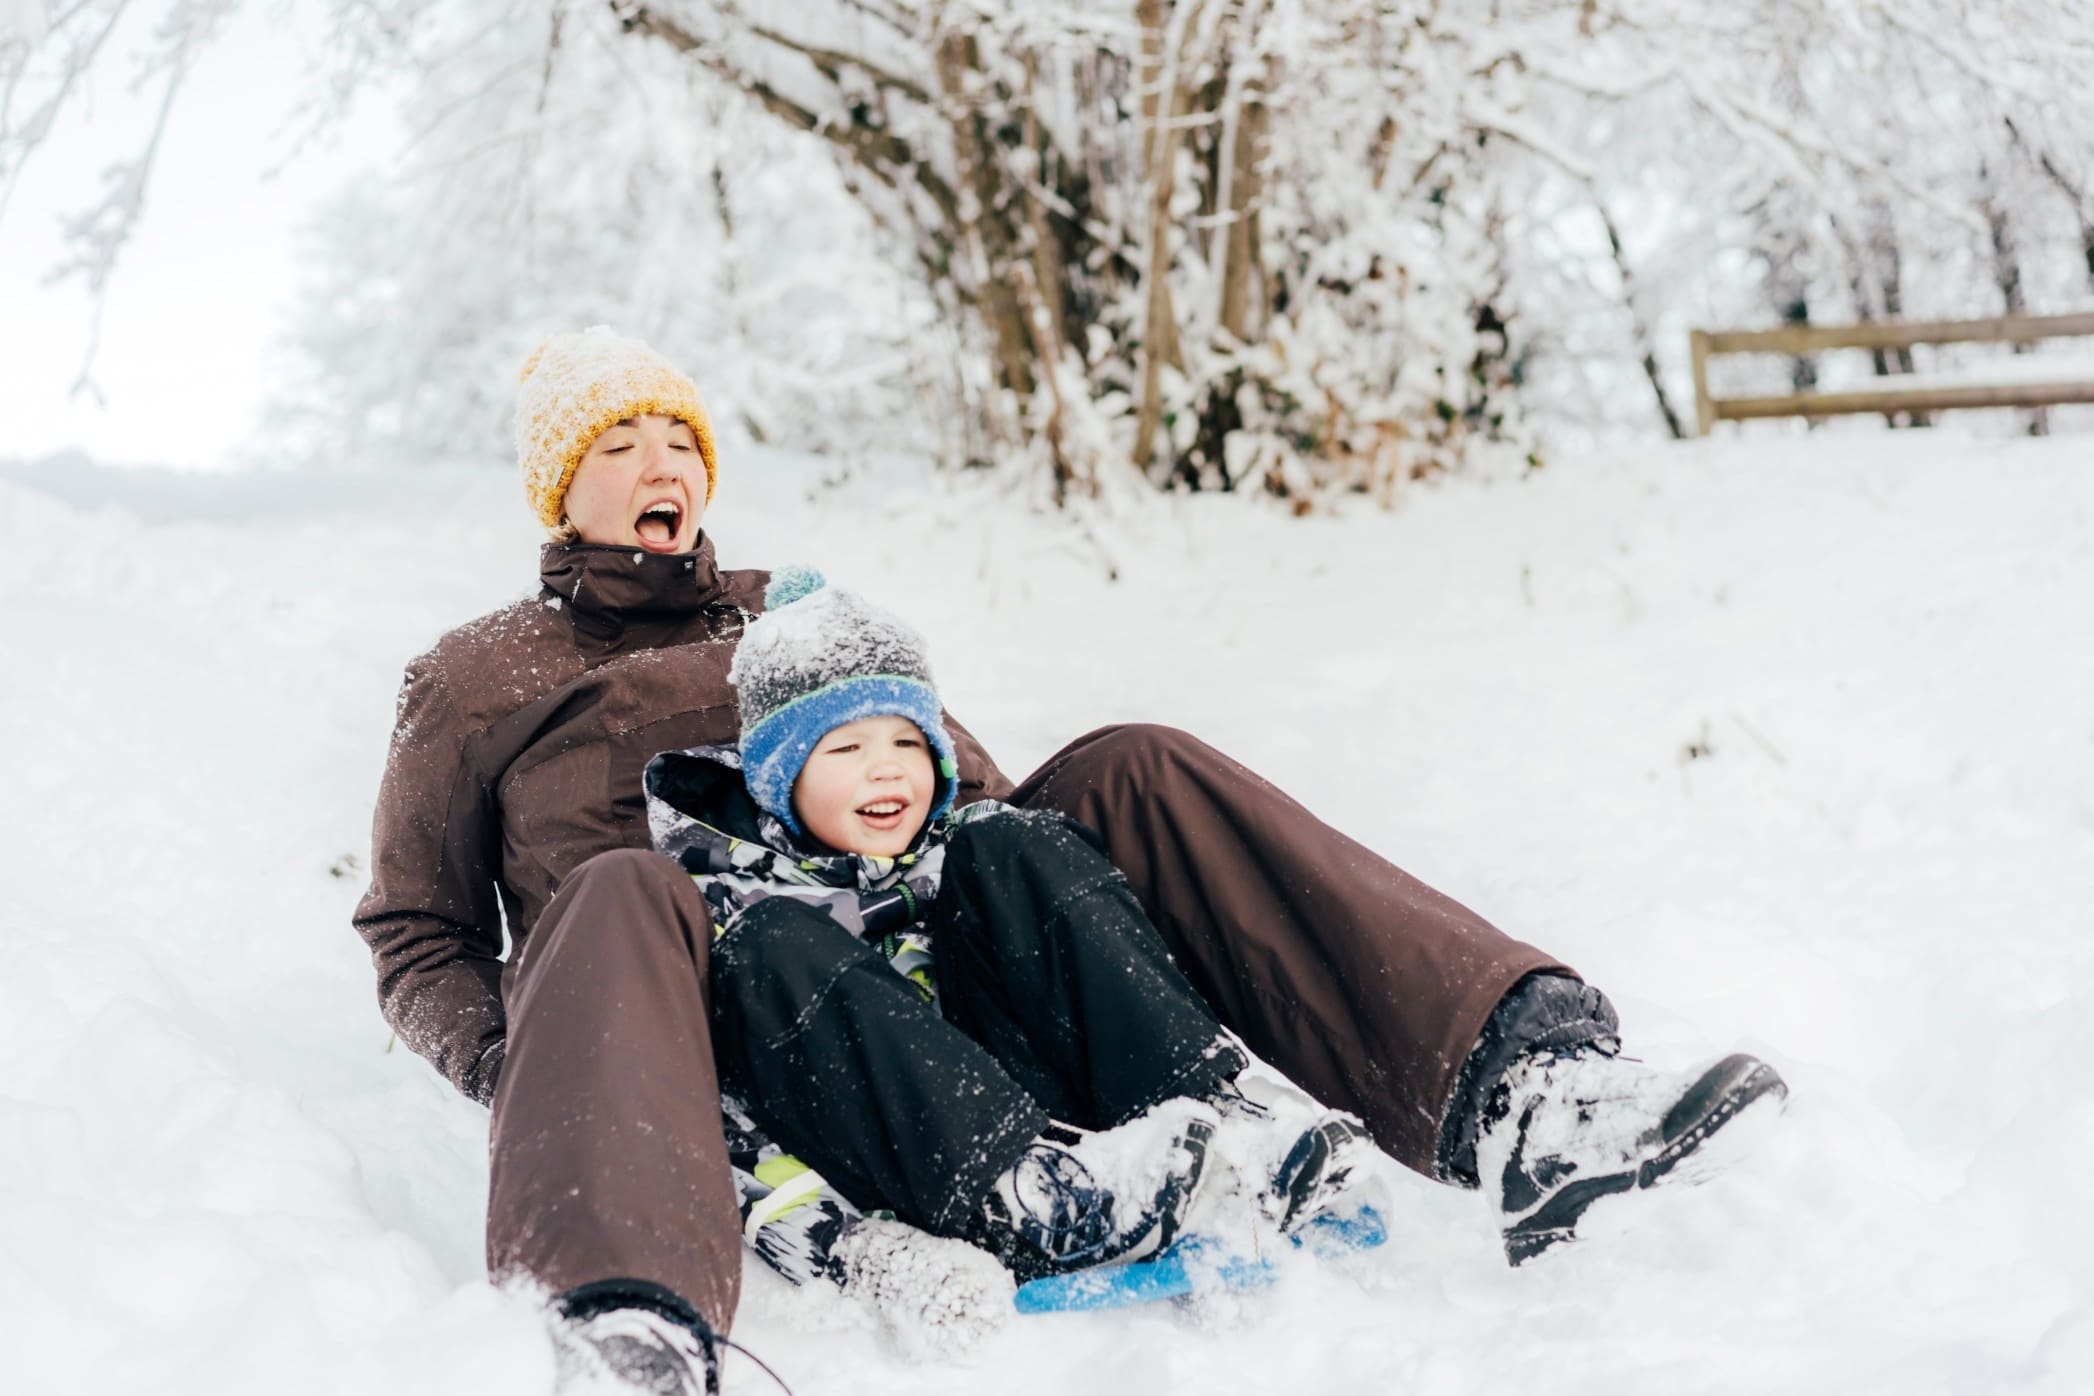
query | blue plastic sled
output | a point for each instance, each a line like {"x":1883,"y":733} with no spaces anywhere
{"x":1191,"y":1264}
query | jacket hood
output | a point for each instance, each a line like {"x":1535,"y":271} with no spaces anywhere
{"x":697,"y":797}
{"x":699,"y":809}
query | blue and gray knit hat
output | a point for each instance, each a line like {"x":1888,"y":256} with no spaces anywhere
{"x":817,"y":658}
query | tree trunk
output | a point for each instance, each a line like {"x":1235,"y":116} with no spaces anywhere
{"x":2082,"y":210}
{"x":1242,"y":186}
{"x":1879,"y":288}
{"x":2006,"y":274}
{"x":985,"y":233}
{"x":1039,"y":287}
{"x":1162,"y":106}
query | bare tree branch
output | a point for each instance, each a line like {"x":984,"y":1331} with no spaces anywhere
{"x":831,"y":63}
{"x":1645,"y":341}
{"x":79,"y":60}
{"x":884,"y":155}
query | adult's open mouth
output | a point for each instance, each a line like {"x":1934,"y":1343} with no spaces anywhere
{"x":657,"y":526}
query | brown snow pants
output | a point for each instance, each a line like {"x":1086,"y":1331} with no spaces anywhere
{"x":606,"y":1156}
{"x":1364,"y":985}
{"x":1361,"y":983}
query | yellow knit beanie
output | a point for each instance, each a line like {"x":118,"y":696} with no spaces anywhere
{"x":574,"y":386}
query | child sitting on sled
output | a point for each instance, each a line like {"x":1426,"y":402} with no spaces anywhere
{"x":959,"y":1017}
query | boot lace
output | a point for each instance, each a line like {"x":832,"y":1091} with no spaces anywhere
{"x":1061,"y":1208}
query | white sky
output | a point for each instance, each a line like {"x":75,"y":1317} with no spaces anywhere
{"x":199,"y":297}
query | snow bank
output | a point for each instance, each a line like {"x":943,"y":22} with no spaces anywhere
{"x":1786,"y":744}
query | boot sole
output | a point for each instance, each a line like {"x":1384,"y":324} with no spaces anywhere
{"x":1722,"y":1093}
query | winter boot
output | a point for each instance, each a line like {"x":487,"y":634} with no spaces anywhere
{"x":1074,"y":1198}
{"x":1565,"y":1129}
{"x":1296,"y":1158}
{"x":641,"y":1348}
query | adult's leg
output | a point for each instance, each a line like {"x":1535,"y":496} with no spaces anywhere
{"x":1046,"y":958}
{"x":844,"y":1064}
{"x":1364,"y":985}
{"x":609,"y":1166}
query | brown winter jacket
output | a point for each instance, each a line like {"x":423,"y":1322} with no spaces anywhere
{"x":517,"y":756}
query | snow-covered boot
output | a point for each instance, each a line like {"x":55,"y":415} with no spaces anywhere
{"x":1320,"y":1172}
{"x":1076,"y":1198}
{"x":640,"y":1349}
{"x":1297,"y":1159}
{"x":1565,"y":1129}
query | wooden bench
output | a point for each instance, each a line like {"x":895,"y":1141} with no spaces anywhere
{"x":1925,"y":397}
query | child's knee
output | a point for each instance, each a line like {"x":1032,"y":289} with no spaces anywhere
{"x":781,"y":942}
{"x":1022,"y":838}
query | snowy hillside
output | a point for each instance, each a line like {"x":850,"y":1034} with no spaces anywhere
{"x":1788,"y":745}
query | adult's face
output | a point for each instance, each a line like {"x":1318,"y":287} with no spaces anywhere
{"x":640,"y":484}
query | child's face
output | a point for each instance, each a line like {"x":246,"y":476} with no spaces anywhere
{"x":867,"y":787}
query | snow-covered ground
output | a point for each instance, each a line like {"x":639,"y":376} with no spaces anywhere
{"x":1789,"y":744}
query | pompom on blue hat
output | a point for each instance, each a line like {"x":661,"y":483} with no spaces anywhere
{"x":791,"y":582}
{"x":817,"y":658}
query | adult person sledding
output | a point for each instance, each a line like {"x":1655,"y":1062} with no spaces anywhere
{"x":513,"y":798}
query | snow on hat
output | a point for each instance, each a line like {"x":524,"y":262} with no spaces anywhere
{"x":573,"y":387}
{"x":817,"y":658}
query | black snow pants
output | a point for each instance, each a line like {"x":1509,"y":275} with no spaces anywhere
{"x":1056,"y":998}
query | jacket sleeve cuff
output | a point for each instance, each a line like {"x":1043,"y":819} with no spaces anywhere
{"x":486,"y":1073}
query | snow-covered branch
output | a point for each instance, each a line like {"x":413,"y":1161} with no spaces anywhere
{"x":1296,"y":246}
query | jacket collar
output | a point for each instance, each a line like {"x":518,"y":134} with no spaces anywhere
{"x":607,"y":588}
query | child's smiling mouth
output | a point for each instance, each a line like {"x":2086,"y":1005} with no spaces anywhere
{"x":883,"y":814}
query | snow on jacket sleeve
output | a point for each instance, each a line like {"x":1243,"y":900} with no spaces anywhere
{"x":431,"y":916}
{"x":791,"y":1216}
